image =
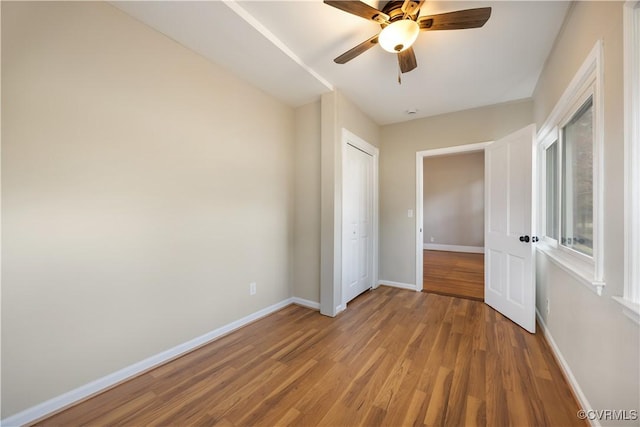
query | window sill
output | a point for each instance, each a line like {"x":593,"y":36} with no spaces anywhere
{"x":579,"y":270}
{"x":630,"y":309}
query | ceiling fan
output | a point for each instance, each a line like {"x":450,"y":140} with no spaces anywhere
{"x":401,"y":24}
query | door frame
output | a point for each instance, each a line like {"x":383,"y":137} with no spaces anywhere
{"x":420,"y":155}
{"x":349,"y":138}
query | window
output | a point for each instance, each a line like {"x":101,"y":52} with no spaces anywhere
{"x":577,"y":181}
{"x":570,"y":173}
{"x":551,"y":194}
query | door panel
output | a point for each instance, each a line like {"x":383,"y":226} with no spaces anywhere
{"x":515,"y":274}
{"x":519,"y":204}
{"x":350,"y":237}
{"x":509,"y":272}
{"x":498,"y":203}
{"x":494,"y":279}
{"x":357,"y":208}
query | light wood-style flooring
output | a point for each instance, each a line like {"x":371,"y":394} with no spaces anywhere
{"x":454,"y":273}
{"x":393,"y":358}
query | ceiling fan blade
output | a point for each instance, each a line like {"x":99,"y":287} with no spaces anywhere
{"x":411,"y":7}
{"x":460,"y":20}
{"x":360,"y":9}
{"x":361,"y":48}
{"x":407,"y":60}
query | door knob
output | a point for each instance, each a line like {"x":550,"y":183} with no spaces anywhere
{"x":534,"y":239}
{"x":524,"y":239}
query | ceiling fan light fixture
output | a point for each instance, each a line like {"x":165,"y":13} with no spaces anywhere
{"x":399,"y":35}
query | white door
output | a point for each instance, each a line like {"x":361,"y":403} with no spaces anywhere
{"x":509,"y":270}
{"x":357,"y":224}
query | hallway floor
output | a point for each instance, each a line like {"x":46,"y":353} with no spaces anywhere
{"x":456,"y":274}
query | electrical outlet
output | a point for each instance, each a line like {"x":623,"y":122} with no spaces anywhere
{"x":433,"y":239}
{"x":252,"y":288}
{"x":548,"y":307}
{"x":410,"y":213}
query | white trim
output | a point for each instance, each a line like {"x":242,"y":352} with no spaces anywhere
{"x":454,"y":248}
{"x":573,"y":382}
{"x":419,"y":220}
{"x":399,"y":285}
{"x":420,"y":155}
{"x":583,"y":275}
{"x":349,"y":138}
{"x":586,"y":82}
{"x":631,"y":17}
{"x":258,"y":26}
{"x":456,"y":149}
{"x":83,"y":392}
{"x":541,"y":188}
{"x":306,"y":303}
{"x":582,"y":79}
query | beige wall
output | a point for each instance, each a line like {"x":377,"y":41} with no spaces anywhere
{"x":143,"y":188}
{"x":599,"y":343}
{"x":453,"y":197}
{"x":306,"y":247}
{"x":337,"y":113}
{"x":399,"y":145}
{"x":350,"y":117}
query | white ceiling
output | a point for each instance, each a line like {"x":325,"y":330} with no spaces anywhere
{"x":287,"y":48}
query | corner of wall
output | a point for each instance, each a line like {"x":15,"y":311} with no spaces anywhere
{"x":328,"y":131}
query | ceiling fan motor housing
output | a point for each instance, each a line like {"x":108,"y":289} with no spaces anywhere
{"x":394,"y":10}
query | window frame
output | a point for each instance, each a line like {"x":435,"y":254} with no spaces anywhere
{"x":550,"y":139}
{"x":631,"y":34}
{"x":575,"y":108}
{"x":586,"y":83}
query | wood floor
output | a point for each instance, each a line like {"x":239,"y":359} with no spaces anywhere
{"x":454,"y":274}
{"x":393,"y":358}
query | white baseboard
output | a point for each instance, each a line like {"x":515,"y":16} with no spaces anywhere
{"x":573,"y":383}
{"x":306,"y":303}
{"x":400,"y":285}
{"x":83,"y":392}
{"x":453,"y":248}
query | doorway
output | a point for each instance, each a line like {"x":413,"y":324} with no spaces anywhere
{"x":453,"y":224}
{"x":420,"y":184}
